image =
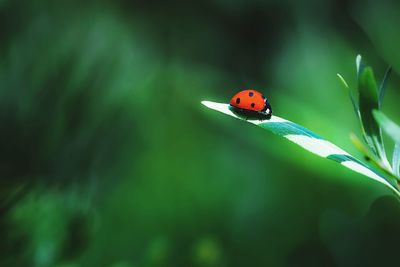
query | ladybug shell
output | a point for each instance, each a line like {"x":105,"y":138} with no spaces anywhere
{"x":251,"y":104}
{"x":249,"y":100}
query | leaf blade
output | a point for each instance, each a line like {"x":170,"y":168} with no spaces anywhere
{"x":396,"y":159}
{"x":307,"y":140}
{"x":382,"y":87}
{"x":352,"y":96}
{"x":359,"y":64}
{"x":389,"y":126}
{"x":368,"y":101}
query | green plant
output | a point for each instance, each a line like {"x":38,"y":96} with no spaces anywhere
{"x":393,"y":130}
{"x":367,"y":100}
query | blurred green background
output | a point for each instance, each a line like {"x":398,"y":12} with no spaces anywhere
{"x":108,"y":158}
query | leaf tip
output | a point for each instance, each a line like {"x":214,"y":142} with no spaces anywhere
{"x":379,"y":117}
{"x":376,"y":112}
{"x":358,"y":59}
{"x":358,"y":64}
{"x":216,"y":106}
{"x":206,"y":103}
{"x":342,"y":80}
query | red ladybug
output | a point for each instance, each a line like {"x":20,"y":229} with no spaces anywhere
{"x":251,"y":104}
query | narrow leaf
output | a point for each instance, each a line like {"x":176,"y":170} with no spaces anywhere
{"x":396,"y":160}
{"x":307,"y":140}
{"x":351,"y":94}
{"x":368,"y":101}
{"x":360,"y":65}
{"x":390,"y":127}
{"x":382,"y":87}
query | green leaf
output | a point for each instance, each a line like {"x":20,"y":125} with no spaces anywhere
{"x":396,"y":159}
{"x":382,"y":87}
{"x":360,"y":65}
{"x":393,"y":130}
{"x":352,"y":95}
{"x":390,"y":127}
{"x":368,"y":101}
{"x":307,"y":140}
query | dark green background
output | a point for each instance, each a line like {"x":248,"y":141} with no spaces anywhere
{"x":109,"y":159}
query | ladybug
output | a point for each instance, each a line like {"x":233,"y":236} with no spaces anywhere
{"x":251,"y":104}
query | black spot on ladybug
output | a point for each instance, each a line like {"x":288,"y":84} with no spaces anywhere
{"x":238,"y":100}
{"x":251,"y":94}
{"x":252,"y":105}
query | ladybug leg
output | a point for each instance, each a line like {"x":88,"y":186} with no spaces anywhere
{"x":246,"y":117}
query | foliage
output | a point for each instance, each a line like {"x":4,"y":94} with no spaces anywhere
{"x":369,"y":101}
{"x":372,"y":121}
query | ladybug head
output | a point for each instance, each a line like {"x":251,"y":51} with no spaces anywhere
{"x":267,"y":108}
